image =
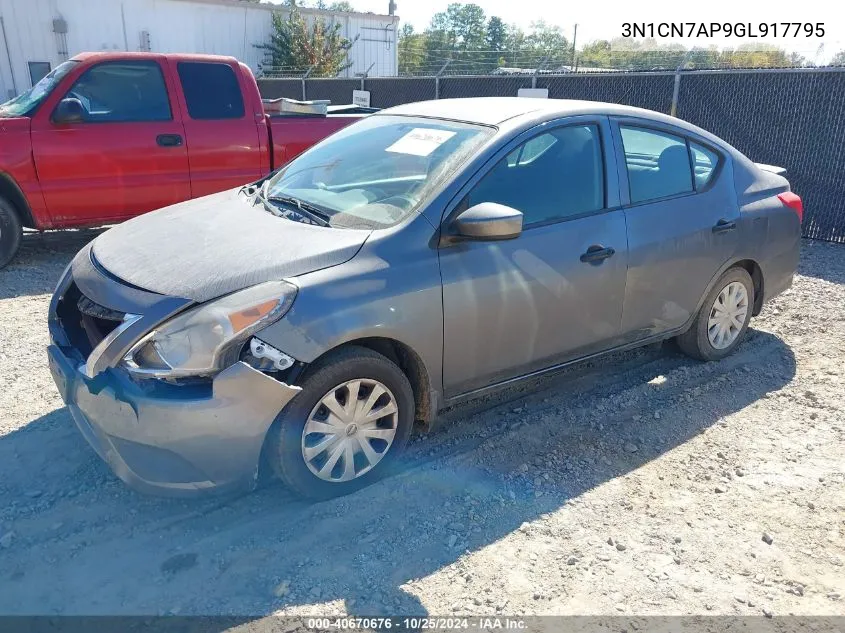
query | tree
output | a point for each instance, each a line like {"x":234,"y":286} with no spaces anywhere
{"x":412,"y":50}
{"x":514,"y":44}
{"x":548,"y":41}
{"x":838,"y":59}
{"x":759,"y":56}
{"x":296,"y":47}
{"x":343,"y":6}
{"x":459,"y":33}
{"x":595,"y":55}
{"x":496,"y":40}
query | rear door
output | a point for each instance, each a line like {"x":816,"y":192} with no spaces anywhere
{"x":126,"y":157}
{"x":681,"y":214}
{"x":555,"y":292}
{"x":221,"y":132}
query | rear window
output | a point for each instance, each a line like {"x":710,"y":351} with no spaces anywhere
{"x":211,"y":90}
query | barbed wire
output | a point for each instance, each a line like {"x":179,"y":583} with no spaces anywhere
{"x":422,"y":62}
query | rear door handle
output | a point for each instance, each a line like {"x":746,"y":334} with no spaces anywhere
{"x":169,"y":140}
{"x":724,"y":225}
{"x":597,"y":253}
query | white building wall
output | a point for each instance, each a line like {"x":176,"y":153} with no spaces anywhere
{"x":223,"y":27}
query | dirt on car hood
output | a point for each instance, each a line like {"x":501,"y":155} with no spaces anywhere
{"x":205,"y":248}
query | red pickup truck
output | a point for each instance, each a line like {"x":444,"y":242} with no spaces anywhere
{"x":108,"y":136}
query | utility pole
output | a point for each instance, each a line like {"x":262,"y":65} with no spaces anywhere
{"x":574,"y":37}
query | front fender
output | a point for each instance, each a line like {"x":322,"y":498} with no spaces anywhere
{"x":390,"y":290}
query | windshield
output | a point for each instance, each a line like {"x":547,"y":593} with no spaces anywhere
{"x":25,"y":104}
{"x":376,"y":172}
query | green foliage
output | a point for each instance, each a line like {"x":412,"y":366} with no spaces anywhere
{"x":412,"y":50}
{"x":477,"y":44}
{"x":549,"y":42}
{"x":495,"y":40}
{"x":295,"y":46}
{"x":343,"y":6}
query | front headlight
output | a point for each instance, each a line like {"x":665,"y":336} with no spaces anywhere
{"x":205,"y":340}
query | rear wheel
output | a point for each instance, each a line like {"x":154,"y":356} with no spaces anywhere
{"x":722,"y":321}
{"x":10,"y":232}
{"x":346,"y":428}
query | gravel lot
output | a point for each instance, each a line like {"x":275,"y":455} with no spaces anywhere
{"x":646,"y":483}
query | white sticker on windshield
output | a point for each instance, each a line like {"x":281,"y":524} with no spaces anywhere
{"x":420,"y":141}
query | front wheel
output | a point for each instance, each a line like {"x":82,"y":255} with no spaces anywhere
{"x":346,"y":428}
{"x":723,"y":319}
{"x":10,"y":232}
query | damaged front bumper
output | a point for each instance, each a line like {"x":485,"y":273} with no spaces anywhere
{"x":156,"y":436}
{"x":164,"y":439}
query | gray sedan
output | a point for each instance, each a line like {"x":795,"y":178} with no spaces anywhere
{"x":422,"y":256}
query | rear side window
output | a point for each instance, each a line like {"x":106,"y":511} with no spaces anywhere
{"x":120,"y":92}
{"x":554,"y":176}
{"x":211,"y":90}
{"x":658,"y":164}
{"x":704,"y":163}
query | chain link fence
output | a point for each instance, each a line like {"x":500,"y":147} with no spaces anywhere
{"x":793,"y":117}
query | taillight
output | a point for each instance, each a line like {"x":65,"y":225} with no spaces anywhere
{"x":793,"y":201}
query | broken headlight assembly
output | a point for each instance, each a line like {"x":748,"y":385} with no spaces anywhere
{"x":206,"y":339}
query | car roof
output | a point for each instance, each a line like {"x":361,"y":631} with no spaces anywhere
{"x":130,"y":55}
{"x":496,"y":110}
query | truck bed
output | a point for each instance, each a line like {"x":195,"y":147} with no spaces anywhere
{"x":293,"y":133}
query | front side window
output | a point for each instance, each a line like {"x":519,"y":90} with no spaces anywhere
{"x":211,"y":90}
{"x":374,"y":173}
{"x":120,"y":92}
{"x":554,"y":176}
{"x":658,"y":164}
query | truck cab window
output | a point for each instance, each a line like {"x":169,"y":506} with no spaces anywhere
{"x":121,"y":92}
{"x":225,"y":101}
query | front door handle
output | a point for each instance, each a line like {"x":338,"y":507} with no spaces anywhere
{"x":724,"y":225}
{"x":169,"y":140}
{"x":597,"y":253}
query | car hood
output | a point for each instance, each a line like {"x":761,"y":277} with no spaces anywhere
{"x":214,"y":245}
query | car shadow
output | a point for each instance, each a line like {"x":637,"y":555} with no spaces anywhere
{"x":87,"y":545}
{"x":40,"y":261}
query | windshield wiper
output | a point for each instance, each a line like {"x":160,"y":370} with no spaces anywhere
{"x":309,"y":210}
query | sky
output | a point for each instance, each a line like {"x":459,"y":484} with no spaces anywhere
{"x":603,"y":20}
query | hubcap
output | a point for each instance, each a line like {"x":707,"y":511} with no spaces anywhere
{"x":727,"y":316}
{"x":350,"y":430}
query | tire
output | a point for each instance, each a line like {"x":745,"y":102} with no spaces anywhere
{"x":11,"y":232}
{"x":330,"y":378}
{"x":697,"y":341}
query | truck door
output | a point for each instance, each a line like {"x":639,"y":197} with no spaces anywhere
{"x":221,"y":131}
{"x":126,"y":155}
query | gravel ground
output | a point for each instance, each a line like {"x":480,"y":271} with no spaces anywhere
{"x":645,"y":483}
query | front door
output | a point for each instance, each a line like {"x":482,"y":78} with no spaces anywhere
{"x":681,"y":212}
{"x":127,"y":156}
{"x":555,"y":292}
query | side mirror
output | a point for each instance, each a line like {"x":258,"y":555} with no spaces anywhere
{"x":69,"y":110}
{"x":488,"y":221}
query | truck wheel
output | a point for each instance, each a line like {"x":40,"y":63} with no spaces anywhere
{"x":10,"y":232}
{"x":723,"y":318}
{"x":346,"y":428}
